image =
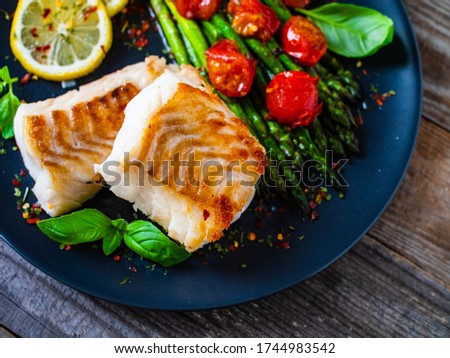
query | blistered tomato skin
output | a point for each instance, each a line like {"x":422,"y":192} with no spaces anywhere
{"x":250,"y":18}
{"x":197,"y":9}
{"x":297,"y":3}
{"x":292,"y":98}
{"x":229,"y":71}
{"x":303,"y":40}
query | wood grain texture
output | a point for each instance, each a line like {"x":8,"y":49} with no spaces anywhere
{"x":6,"y":333}
{"x":394,"y":283}
{"x":431,"y":19}
{"x":417,"y":223}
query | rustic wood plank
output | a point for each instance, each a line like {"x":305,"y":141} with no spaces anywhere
{"x":370,"y":292}
{"x":374,"y":290}
{"x":6,"y":333}
{"x":394,"y":283}
{"x":417,"y":223}
{"x":431,"y":19}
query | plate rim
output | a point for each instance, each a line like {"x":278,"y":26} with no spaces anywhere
{"x":419,"y":72}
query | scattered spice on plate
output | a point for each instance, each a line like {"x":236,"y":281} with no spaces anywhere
{"x":380,"y":98}
{"x":134,"y":22}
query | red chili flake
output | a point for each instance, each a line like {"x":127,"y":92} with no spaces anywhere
{"x":34,"y":32}
{"x":68,"y":247}
{"x":133,"y":268}
{"x":283,"y":245}
{"x":364,"y":72}
{"x":117,"y":257}
{"x":336,"y":166}
{"x":312,"y":204}
{"x":33,"y":221}
{"x":25,"y":79}
{"x":131,"y":32}
{"x":142,"y":42}
{"x":359,"y":120}
{"x":380,"y":98}
{"x":145,"y":25}
{"x":314,"y":215}
{"x":16,"y":182}
{"x":50,"y":27}
{"x":23,"y":172}
{"x":138,"y":32}
{"x":232,"y":248}
{"x":47,"y":12}
{"x":89,"y":11}
{"x":42,"y":48}
{"x":252,"y":236}
{"x":36,"y":206}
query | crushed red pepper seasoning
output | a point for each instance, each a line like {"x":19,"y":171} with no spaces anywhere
{"x":30,"y":212}
{"x":88,"y":12}
{"x":46,"y":12}
{"x":381,"y":98}
{"x":134,"y":22}
{"x":34,"y":32}
{"x":26,"y":79}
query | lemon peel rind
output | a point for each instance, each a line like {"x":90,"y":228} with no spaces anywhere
{"x":61,"y":73}
{"x":114,"y":10}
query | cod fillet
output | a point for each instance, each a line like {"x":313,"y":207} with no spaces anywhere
{"x":184,"y":159}
{"x":61,"y":138}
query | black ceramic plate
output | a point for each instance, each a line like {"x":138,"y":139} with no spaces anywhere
{"x":388,"y":137}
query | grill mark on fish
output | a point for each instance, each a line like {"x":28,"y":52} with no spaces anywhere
{"x":57,"y":135}
{"x":173,"y":121}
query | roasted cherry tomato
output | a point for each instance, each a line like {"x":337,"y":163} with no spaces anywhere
{"x":253,"y":19}
{"x":303,"y":40}
{"x":297,"y":3}
{"x":197,"y":9}
{"x":292,"y":98}
{"x":230,"y":72}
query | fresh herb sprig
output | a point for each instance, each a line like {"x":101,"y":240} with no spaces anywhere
{"x":91,"y":225}
{"x":8,"y":103}
{"x":351,"y":30}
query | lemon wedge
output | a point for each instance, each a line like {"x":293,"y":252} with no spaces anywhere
{"x":114,"y":6}
{"x":60,"y":40}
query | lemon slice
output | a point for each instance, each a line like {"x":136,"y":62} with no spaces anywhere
{"x":60,"y":39}
{"x":114,"y":6}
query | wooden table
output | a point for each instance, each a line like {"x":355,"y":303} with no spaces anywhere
{"x":394,"y":283}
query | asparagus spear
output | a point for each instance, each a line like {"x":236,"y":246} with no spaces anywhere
{"x":173,"y":37}
{"x":224,"y":28}
{"x":245,"y":110}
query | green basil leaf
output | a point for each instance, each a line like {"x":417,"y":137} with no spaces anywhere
{"x":82,"y":226}
{"x":113,"y":236}
{"x":8,"y":104}
{"x":8,"y":108}
{"x":120,"y":224}
{"x":4,"y":74}
{"x":148,"y":241}
{"x":351,"y":30}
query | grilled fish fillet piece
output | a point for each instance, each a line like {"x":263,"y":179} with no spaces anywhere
{"x":175,"y":132}
{"x":62,"y":138}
